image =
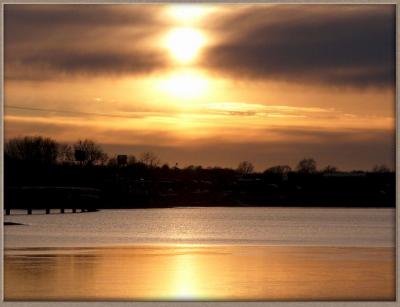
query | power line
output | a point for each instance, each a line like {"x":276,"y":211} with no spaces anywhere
{"x":66,"y":111}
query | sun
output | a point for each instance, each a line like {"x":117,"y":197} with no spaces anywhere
{"x":184,"y":44}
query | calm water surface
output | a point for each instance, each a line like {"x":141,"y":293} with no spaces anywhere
{"x":202,"y":254}
{"x":255,"y":226}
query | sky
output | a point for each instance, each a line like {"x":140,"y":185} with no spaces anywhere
{"x":207,"y":84}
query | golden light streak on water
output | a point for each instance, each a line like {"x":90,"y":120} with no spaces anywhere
{"x":180,"y":272}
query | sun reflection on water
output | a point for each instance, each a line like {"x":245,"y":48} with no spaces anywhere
{"x":185,"y":282}
{"x":189,"y":273}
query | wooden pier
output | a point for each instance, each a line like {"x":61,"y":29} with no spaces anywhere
{"x":52,"y":198}
{"x":48,"y":210}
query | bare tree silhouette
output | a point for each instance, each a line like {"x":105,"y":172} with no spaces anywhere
{"x":150,"y":159}
{"x":34,"y":149}
{"x":65,"y":154}
{"x":307,"y":166}
{"x":330,"y":169}
{"x":89,"y":153}
{"x":245,"y":167}
{"x":278,"y":169}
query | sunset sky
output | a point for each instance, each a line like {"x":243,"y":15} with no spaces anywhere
{"x":207,"y":84}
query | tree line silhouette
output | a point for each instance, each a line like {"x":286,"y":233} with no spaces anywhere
{"x":126,"y":181}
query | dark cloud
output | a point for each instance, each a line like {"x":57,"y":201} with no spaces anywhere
{"x":99,"y":15}
{"x":48,"y":41}
{"x":79,"y":22}
{"x":60,"y":62}
{"x":351,"y":45}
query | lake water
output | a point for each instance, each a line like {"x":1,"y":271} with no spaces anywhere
{"x":202,"y":254}
{"x":255,"y":226}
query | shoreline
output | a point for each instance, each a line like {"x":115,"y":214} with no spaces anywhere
{"x":38,"y":250}
{"x":278,"y":206}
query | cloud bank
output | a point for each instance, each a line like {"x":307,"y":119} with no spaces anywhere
{"x":335,"y":45}
{"x":340,"y":45}
{"x":52,"y":41}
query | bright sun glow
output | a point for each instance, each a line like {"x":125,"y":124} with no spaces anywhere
{"x":184,"y":43}
{"x":188,"y":12}
{"x":185,"y":84}
{"x":185,"y":282}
